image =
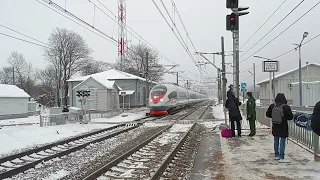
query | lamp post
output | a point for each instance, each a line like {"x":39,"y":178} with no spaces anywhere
{"x":305,"y":34}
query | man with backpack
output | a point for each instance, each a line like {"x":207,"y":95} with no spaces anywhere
{"x":315,"y":119}
{"x":232,"y":104}
{"x":280,"y":113}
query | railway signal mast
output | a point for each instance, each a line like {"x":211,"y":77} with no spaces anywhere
{"x":232,"y":24}
{"x":83,"y":94}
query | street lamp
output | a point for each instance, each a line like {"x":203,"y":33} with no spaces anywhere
{"x":305,"y":34}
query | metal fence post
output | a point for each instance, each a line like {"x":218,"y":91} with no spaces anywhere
{"x":316,"y":147}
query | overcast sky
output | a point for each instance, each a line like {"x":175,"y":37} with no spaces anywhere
{"x":204,"y":20}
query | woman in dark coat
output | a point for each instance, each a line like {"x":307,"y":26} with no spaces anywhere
{"x":315,"y":119}
{"x":232,"y":104}
{"x":280,"y":131}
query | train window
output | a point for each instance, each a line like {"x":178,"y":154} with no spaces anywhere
{"x":159,"y":90}
{"x":173,"y":94}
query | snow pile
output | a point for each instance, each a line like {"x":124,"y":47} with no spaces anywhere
{"x":122,"y":118}
{"x":211,"y":124}
{"x":218,"y":111}
{"x":18,"y":137}
{"x":20,"y":121}
{"x":176,"y":128}
{"x":261,"y":165}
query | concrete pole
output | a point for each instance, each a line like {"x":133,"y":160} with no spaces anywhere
{"x":147,"y":79}
{"x":300,"y":78}
{"x":224,"y":88}
{"x":254,"y":80}
{"x":177,"y":78}
{"x":236,"y":71}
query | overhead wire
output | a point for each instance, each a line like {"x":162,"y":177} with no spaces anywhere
{"x":273,"y":28}
{"x":23,"y":40}
{"x":263,"y":24}
{"x":281,"y":32}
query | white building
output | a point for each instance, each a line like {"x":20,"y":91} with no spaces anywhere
{"x":134,"y":87}
{"x":104,"y":94}
{"x":282,"y":83}
{"x":13,"y":102}
{"x":310,"y":93}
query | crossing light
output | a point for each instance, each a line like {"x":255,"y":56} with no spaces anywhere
{"x":232,"y":4}
{"x":79,"y":93}
{"x":87,"y":93}
{"x":232,"y":22}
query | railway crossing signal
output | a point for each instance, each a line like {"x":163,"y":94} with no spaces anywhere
{"x":232,"y":22}
{"x":232,"y":3}
{"x":83,"y":93}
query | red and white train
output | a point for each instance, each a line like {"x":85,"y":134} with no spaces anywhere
{"x":165,"y":98}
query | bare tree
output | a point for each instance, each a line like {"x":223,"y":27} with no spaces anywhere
{"x":67,"y":53}
{"x":6,"y":75}
{"x":47,"y":85}
{"x":21,"y":72}
{"x":135,"y":62}
{"x":93,"y":67}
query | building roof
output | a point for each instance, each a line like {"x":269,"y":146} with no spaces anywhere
{"x":311,"y":82}
{"x":111,"y":74}
{"x":104,"y":82}
{"x":8,"y":90}
{"x":288,"y":72}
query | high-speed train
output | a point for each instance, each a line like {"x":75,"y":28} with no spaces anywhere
{"x":165,"y":98}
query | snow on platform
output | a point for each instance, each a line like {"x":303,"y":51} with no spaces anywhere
{"x":122,"y":118}
{"x":15,"y":138}
{"x":20,"y":121}
{"x":252,"y":158}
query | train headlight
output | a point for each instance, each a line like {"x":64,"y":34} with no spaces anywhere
{"x":161,"y":100}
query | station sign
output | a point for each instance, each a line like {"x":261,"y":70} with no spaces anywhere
{"x":270,"y":66}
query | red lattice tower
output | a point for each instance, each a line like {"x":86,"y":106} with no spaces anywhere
{"x":122,"y":32}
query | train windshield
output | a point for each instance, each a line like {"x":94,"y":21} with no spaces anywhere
{"x":159,"y":90}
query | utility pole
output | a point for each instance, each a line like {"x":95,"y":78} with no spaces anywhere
{"x":147,"y":79}
{"x":224,"y":81}
{"x":232,"y":24}
{"x":219,"y":85}
{"x":13,"y":80}
{"x":254,"y":80}
{"x":178,"y":78}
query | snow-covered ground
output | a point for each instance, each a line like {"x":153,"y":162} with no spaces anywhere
{"x":122,"y":118}
{"x":16,"y":138}
{"x":260,"y":164}
{"x":21,"y":137}
{"x":20,"y":121}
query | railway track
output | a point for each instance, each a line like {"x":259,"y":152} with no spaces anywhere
{"x":23,"y":161}
{"x":140,"y":161}
{"x":165,"y":151}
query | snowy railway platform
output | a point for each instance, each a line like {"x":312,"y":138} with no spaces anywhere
{"x":248,"y":158}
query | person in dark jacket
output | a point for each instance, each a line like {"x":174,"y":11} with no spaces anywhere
{"x":232,"y":104}
{"x":280,"y":131}
{"x":251,"y":113}
{"x":315,"y":119}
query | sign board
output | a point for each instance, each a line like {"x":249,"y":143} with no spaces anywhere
{"x":270,"y":66}
{"x":243,"y":87}
{"x":123,"y":93}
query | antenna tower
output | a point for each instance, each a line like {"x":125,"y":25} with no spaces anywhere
{"x":122,"y":32}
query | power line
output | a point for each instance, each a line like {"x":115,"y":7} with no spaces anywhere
{"x":287,"y":52}
{"x":56,"y":6}
{"x":23,"y":34}
{"x":263,"y":24}
{"x":273,"y":28}
{"x":22,"y":40}
{"x":281,"y":32}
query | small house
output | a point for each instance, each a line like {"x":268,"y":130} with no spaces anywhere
{"x":13,"y":102}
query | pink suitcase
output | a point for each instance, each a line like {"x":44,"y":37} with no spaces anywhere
{"x":227,"y":133}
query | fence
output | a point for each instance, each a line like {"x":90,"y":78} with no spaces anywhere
{"x":73,"y":117}
{"x":296,"y":133}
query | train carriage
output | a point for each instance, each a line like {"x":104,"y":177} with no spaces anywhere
{"x":165,"y":98}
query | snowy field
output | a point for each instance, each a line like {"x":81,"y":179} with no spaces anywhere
{"x":260,"y":165}
{"x":17,"y":138}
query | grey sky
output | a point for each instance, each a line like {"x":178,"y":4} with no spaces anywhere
{"x":204,"y":19}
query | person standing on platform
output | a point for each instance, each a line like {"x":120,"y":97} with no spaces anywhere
{"x":232,"y":104}
{"x":280,"y":113}
{"x":251,"y":113}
